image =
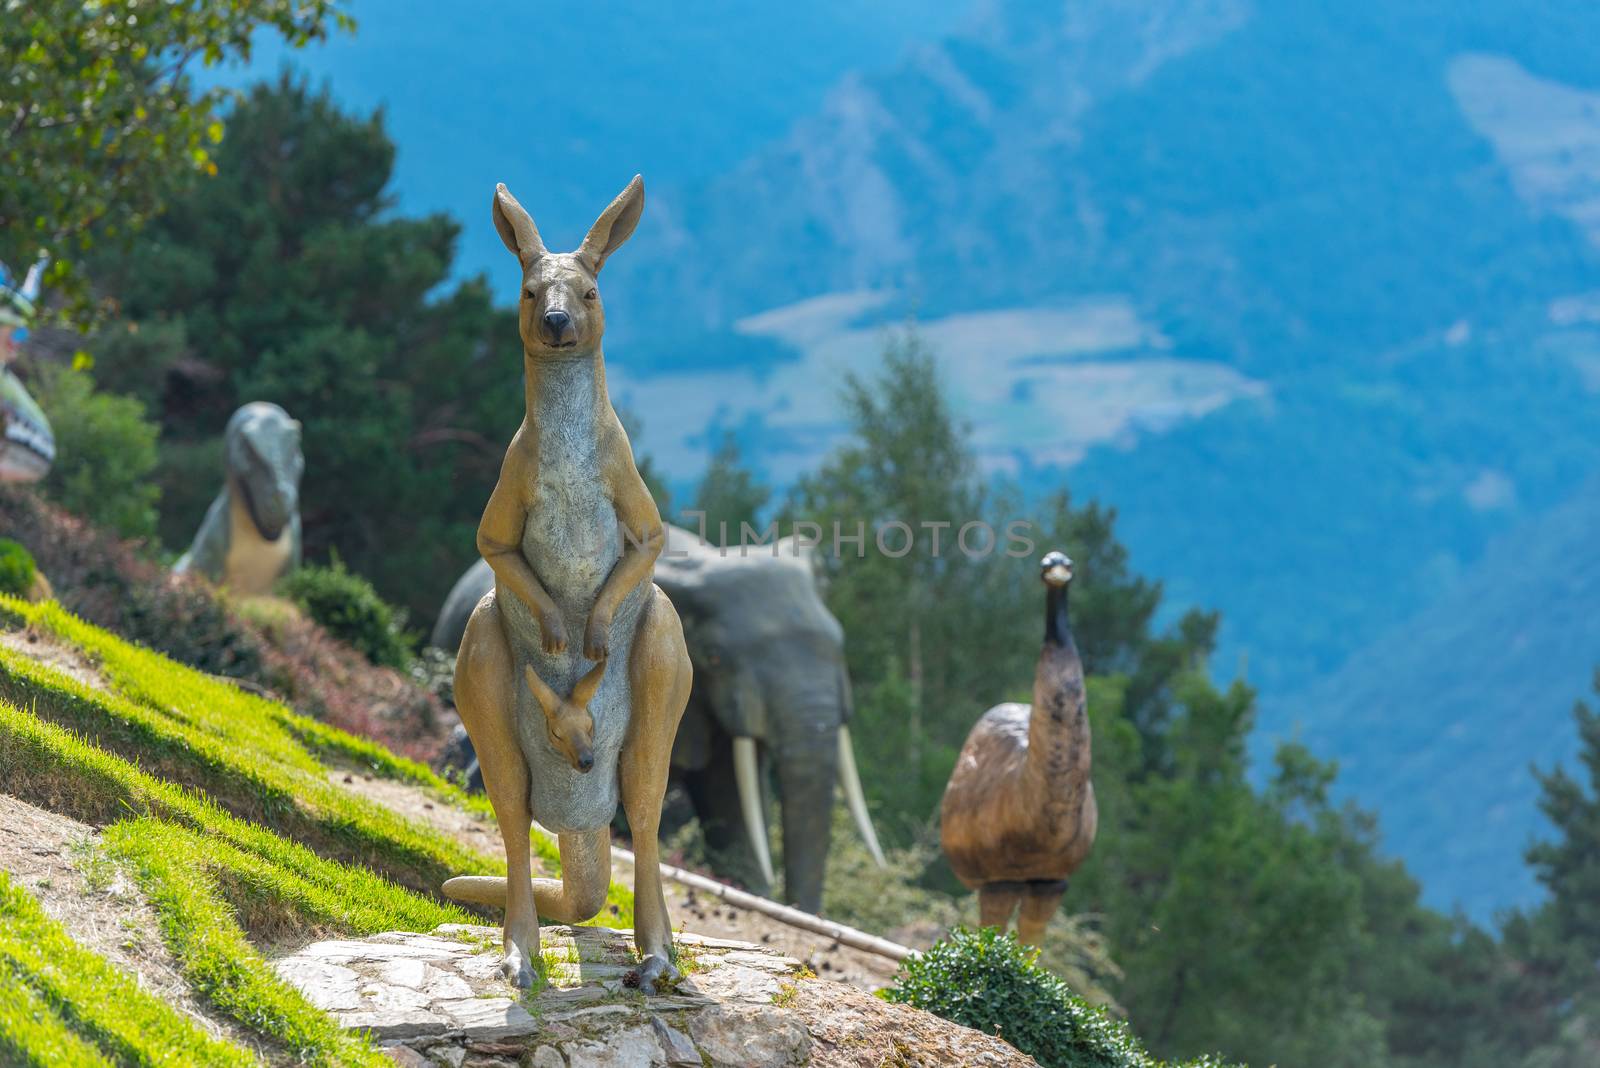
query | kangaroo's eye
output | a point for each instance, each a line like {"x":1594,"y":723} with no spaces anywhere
{"x":531,"y":293}
{"x":592,"y":294}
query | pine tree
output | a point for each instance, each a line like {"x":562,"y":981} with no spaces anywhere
{"x":729,"y":496}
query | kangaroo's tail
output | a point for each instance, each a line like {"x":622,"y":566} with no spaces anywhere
{"x":477,"y":889}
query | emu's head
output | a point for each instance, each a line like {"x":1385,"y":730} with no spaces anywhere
{"x":570,"y":724}
{"x":559,"y":310}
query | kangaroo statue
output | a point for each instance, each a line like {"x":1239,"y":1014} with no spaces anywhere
{"x":572,"y":536}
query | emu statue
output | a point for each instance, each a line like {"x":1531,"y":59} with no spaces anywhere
{"x":1019,"y":815}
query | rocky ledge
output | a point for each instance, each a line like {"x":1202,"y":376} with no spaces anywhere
{"x":438,"y":1000}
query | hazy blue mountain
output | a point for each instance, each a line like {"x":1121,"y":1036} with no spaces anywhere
{"x":1309,"y":291}
{"x":1440,"y":717}
{"x":1306,"y":290}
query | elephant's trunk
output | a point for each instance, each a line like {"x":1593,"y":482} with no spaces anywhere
{"x":807,"y":768}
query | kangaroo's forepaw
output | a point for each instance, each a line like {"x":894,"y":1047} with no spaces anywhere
{"x":655,"y":968}
{"x":517,"y":970}
{"x":597,"y":638}
{"x":553,"y":636}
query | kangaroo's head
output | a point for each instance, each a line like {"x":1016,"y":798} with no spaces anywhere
{"x":560,"y":310}
{"x":571,"y":726}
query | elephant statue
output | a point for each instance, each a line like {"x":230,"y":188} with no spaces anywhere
{"x":771,"y":692}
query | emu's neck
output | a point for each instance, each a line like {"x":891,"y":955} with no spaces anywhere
{"x":1058,"y":728}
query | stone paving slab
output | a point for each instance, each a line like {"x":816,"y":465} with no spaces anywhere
{"x":438,"y":1000}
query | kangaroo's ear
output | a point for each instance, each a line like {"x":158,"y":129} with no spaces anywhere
{"x":583,"y":693}
{"x":516,"y":226}
{"x":545,"y":695}
{"x":614,"y":226}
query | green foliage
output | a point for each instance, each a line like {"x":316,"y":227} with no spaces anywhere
{"x":407,"y":398}
{"x":924,"y":669}
{"x":16,"y":568}
{"x":729,"y":495}
{"x":49,"y":976}
{"x":984,"y":980}
{"x":103,"y":120}
{"x":1259,"y":921}
{"x":105,"y":470}
{"x":347,"y":607}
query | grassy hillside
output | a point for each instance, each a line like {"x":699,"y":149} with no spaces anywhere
{"x":224,"y":809}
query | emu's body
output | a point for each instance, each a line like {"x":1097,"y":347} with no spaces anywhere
{"x":1019,"y":813}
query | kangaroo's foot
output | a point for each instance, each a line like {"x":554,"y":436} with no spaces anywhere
{"x":656,"y":967}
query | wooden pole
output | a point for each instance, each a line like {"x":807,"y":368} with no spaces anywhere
{"x":794,"y":917}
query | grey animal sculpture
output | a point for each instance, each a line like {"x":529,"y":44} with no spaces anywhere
{"x":250,"y":537}
{"x":770,"y":686}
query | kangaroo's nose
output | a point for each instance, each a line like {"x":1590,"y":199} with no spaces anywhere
{"x":557,"y":325}
{"x":585,"y":761}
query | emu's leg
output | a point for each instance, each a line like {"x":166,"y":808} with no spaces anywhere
{"x":485,"y":691}
{"x":660,"y":676}
{"x":996,"y":903}
{"x":1039,"y":902}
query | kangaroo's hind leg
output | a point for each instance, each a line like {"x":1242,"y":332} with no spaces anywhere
{"x":485,"y":697}
{"x":660,"y":675}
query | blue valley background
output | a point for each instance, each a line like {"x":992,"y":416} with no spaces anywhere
{"x":1308,"y":291}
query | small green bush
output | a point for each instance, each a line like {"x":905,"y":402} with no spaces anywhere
{"x":986,"y":981}
{"x":347,"y":607}
{"x":16,"y":568}
{"x":105,"y":453}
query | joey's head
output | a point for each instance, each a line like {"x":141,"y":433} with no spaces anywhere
{"x":559,"y":311}
{"x":570,"y":724}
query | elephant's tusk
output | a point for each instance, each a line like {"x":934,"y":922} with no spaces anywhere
{"x":755,"y":823}
{"x":850,"y":779}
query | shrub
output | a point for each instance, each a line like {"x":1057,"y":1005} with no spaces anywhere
{"x":347,"y":607}
{"x":16,"y":568}
{"x":985,"y":980}
{"x":106,"y":453}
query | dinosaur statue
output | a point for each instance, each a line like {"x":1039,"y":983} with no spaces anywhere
{"x":27,"y":445}
{"x":250,"y":537}
{"x":571,"y":534}
{"x":769,"y":678}
{"x":1019,"y":814}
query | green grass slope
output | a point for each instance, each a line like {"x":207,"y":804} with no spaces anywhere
{"x":219,"y":804}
